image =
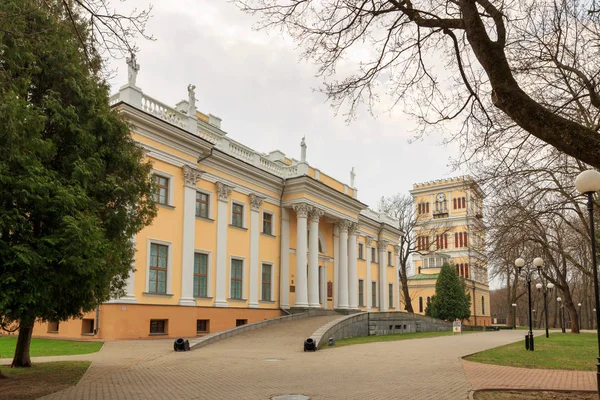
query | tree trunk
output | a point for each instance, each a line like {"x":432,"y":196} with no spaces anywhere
{"x":22,"y":358}
{"x":573,"y":316}
{"x":407,"y":300}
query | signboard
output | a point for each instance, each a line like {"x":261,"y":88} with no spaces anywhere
{"x":456,"y":327}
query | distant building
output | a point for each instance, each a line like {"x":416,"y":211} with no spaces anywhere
{"x":450,"y":230}
{"x":239,"y":235}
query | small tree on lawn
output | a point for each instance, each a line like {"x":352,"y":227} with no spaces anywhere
{"x":74,"y":186}
{"x":450,"y":302}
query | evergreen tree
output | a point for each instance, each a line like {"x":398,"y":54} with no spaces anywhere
{"x":450,"y":302}
{"x":74,"y":187}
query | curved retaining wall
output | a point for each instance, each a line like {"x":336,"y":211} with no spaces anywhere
{"x":377,"y":323}
{"x":215,"y":337}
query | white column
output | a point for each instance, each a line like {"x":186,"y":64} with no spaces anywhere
{"x":336,"y":264}
{"x":313,"y":258}
{"x":352,"y":272}
{"x":343,"y":274}
{"x":301,"y":239}
{"x":255,"y":203}
{"x":368,"y":241}
{"x":223,"y":192}
{"x":284,"y":282}
{"x":397,"y":277}
{"x":190,"y":177}
{"x":382,"y":246}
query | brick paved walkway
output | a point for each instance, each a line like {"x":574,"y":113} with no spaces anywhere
{"x":270,"y":361}
{"x":486,"y":376}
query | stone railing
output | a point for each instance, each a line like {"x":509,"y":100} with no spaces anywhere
{"x":380,"y":323}
{"x":164,"y":112}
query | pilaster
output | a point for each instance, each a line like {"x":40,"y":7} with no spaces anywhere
{"x":352,"y":269}
{"x":255,"y":204}
{"x":343,"y":273}
{"x":313,"y":258}
{"x":382,"y":247}
{"x":302,"y":211}
{"x":368,"y":242}
{"x":223,"y":193}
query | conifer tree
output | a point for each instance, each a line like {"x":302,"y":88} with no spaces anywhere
{"x":450,"y":302}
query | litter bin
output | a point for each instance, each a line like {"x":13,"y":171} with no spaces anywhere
{"x":181,"y":345}
{"x":310,"y":345}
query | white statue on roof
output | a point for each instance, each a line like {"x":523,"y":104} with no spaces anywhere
{"x":352,"y":177}
{"x":132,"y":69}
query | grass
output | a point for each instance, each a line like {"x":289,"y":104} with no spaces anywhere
{"x":561,"y":351}
{"x":533,"y":395}
{"x":390,"y":338}
{"x":41,"y":379}
{"x":48,"y":347}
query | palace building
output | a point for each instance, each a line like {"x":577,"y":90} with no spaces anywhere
{"x":240,"y":236}
{"x":449,"y":229}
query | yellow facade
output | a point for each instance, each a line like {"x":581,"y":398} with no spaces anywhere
{"x":239,"y":237}
{"x":449,"y":229}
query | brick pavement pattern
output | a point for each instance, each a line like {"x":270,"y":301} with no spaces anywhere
{"x":270,"y":361}
{"x":487,"y":376}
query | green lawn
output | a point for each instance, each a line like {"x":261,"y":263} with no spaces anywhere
{"x":40,"y":380}
{"x":567,"y":351}
{"x":389,"y":338}
{"x":48,"y":347}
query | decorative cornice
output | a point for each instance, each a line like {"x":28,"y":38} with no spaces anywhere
{"x":223,"y":191}
{"x":382,"y":245}
{"x":256,"y":202}
{"x":316,"y":214}
{"x":191,"y":176}
{"x":302,"y":210}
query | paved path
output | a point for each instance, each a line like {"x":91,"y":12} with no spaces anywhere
{"x":270,"y":361}
{"x":485,"y":376}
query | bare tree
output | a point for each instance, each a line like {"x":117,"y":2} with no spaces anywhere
{"x":490,"y":47}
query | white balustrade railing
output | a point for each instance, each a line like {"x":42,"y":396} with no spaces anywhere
{"x":240,"y":151}
{"x":164,"y":112}
{"x":114,"y":99}
{"x":210,"y":136}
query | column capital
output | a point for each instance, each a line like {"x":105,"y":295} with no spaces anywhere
{"x":315,"y":214}
{"x":369,"y":240}
{"x":223,"y":191}
{"x":191,"y":176}
{"x":397,"y":249}
{"x":256,"y":202}
{"x":302,"y":210}
{"x":344,"y":225}
{"x":353,"y":228}
{"x":382,"y":245}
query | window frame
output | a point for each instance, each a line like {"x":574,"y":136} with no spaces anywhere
{"x":165,"y":327}
{"x":373,"y":254}
{"x":170,"y":190}
{"x":390,"y":295}
{"x":207,"y":326}
{"x":271,"y":282}
{"x":208,"y":204}
{"x":389,"y":257}
{"x":153,"y":286}
{"x":361,"y":293}
{"x":361,"y":251}
{"x":243,"y":278}
{"x":272,"y":214}
{"x":420,"y":304}
{"x":208,"y":275}
{"x":169,"y":282}
{"x":373,"y":293}
{"x":239,"y":204}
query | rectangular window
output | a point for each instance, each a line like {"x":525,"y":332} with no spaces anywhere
{"x":87,"y":326}
{"x":237,"y":273}
{"x":267,"y":223}
{"x":420,"y":304}
{"x":389,"y":258}
{"x":158,"y":326}
{"x":202,"y":325}
{"x":161,"y":195}
{"x":237,"y":215}
{"x":159,"y":255}
{"x":361,"y":295}
{"x":201,"y":205}
{"x":373,"y":254}
{"x":53,"y":327}
{"x":361,"y":255}
{"x":391,"y":295}
{"x":454,"y":203}
{"x":266,"y":282}
{"x":200,"y":275}
{"x":374,"y":294}
{"x":241,"y":322}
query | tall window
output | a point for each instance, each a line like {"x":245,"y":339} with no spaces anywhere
{"x":460,"y":239}
{"x":201,"y":205}
{"x":361,"y":294}
{"x":266,"y":282}
{"x":420,"y":304}
{"x":361,"y":251}
{"x":441,"y":241}
{"x":459,"y":202}
{"x":161,"y":195}
{"x":373,"y":254}
{"x":159,"y":255}
{"x":482,"y":305}
{"x":237,"y":277}
{"x":237,"y":215}
{"x":391,"y":295}
{"x":466,"y":270}
{"x":423,"y":208}
{"x":389,"y":258}
{"x":267,"y":223}
{"x":423,"y":243}
{"x":374,"y":294}
{"x":200,"y":275}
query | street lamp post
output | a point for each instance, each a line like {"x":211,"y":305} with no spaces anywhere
{"x":588,"y":182}
{"x":549,"y":286}
{"x":562,"y":314}
{"x":579,"y":311}
{"x":514,"y":306}
{"x":537,"y":263}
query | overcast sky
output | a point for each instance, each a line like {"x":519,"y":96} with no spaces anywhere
{"x":265,"y":96}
